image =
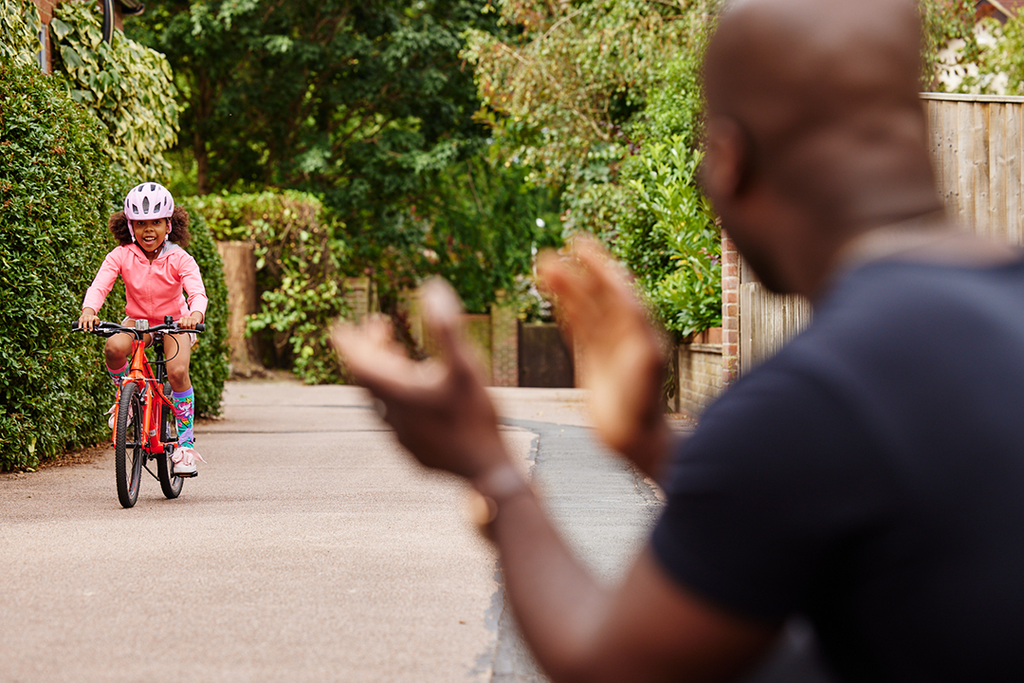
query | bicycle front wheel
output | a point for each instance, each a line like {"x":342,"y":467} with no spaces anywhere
{"x":128,"y":445}
{"x":170,"y":484}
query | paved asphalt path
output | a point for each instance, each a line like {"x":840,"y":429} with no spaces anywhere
{"x":310,"y":548}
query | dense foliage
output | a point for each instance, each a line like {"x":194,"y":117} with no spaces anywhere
{"x":208,"y":368}
{"x":298,"y":246}
{"x":370,"y":108}
{"x":125,"y":84}
{"x":54,"y":197}
{"x":965,"y":52}
{"x":565,"y":88}
{"x":19,"y":23}
{"x":1010,"y":59}
{"x":946,"y":22}
{"x":603,"y":100}
{"x":670,"y":237}
{"x":57,"y":189}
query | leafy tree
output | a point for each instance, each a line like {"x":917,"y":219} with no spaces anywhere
{"x":1010,"y":59}
{"x":564,"y":93}
{"x":484,"y":238}
{"x":603,"y":98}
{"x":366,"y":105}
{"x":944,"y":22}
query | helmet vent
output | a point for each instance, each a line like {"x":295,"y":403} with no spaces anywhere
{"x":152,"y":198}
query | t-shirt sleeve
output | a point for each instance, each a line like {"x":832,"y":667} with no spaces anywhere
{"x":778,"y":472}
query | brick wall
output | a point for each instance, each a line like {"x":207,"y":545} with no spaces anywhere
{"x":494,"y":337}
{"x":240,"y":279}
{"x":700,"y":377}
{"x":359,"y":298}
{"x":45,"y":8}
{"x":730,"y":354}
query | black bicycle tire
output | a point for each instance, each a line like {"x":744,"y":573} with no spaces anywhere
{"x":128,"y":471}
{"x":169,"y":483}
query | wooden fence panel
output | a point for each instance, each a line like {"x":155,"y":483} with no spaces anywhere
{"x":977,"y":145}
{"x":768,"y":321}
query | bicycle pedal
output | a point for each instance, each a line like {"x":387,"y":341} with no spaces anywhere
{"x":190,"y":475}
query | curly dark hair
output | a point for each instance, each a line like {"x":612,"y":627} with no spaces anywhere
{"x":118,"y":225}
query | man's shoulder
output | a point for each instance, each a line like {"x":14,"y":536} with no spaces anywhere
{"x":884,"y":302}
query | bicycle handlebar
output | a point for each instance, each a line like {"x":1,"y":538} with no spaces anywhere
{"x":104,"y":328}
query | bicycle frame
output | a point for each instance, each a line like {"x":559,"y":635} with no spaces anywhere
{"x":141,"y":374}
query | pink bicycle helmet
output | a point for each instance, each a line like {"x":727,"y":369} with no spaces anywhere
{"x":147,"y":201}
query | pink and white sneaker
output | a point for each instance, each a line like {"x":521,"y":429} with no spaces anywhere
{"x":113,"y":414}
{"x":184,"y":459}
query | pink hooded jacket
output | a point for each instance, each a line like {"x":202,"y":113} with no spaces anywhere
{"x":153,"y":289}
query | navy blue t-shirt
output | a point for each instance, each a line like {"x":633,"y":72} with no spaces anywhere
{"x":871,"y":477}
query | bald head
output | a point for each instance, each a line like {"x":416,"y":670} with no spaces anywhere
{"x":810,"y":60}
{"x":822,"y":96}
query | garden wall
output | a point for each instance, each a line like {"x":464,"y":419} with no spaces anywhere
{"x":698,"y":372}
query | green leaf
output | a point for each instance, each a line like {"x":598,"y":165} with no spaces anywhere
{"x":60,"y":29}
{"x":71,"y":57}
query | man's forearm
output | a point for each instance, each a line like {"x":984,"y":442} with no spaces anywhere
{"x":649,"y":452}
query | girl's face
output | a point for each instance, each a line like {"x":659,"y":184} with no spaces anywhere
{"x":151,"y":233}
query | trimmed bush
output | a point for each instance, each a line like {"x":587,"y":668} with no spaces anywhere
{"x":299,"y":251}
{"x":55,"y":194}
{"x":209,"y":367}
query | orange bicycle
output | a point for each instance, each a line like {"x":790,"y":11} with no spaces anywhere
{"x":144,"y":425}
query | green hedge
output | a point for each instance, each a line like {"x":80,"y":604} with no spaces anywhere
{"x":57,"y":190}
{"x":209,"y":368}
{"x":54,"y":195}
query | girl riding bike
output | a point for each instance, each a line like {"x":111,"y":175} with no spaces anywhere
{"x":155,"y":269}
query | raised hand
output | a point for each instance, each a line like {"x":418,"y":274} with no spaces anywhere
{"x":623,"y":354}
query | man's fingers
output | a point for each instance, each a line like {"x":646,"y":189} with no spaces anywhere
{"x":380,"y":364}
{"x":609,"y":276}
{"x":371,"y":358}
{"x":580,"y":285}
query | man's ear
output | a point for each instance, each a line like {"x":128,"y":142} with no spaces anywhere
{"x":725,"y":169}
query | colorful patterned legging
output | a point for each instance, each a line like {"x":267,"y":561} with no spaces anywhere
{"x":184,"y":415}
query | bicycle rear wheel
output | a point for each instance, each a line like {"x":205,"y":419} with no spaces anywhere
{"x":169,"y":483}
{"x":128,"y":445}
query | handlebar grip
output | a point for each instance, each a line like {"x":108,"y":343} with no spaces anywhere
{"x":74,"y":326}
{"x":200,"y":327}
